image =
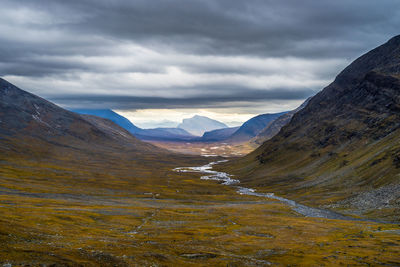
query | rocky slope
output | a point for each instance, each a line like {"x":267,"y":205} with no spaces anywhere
{"x":343,"y":144}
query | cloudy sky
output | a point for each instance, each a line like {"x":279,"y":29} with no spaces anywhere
{"x":157,"y":61}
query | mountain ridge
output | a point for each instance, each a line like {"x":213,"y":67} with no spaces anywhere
{"x":111,"y":115}
{"x":252,"y":127}
{"x":160,"y":133}
{"x":219,"y":134}
{"x":276,"y":125}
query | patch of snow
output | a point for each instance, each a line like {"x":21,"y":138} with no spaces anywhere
{"x":209,"y":155}
{"x":37,"y":109}
{"x":38,"y":119}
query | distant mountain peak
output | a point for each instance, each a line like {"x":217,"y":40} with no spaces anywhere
{"x":198,"y":125}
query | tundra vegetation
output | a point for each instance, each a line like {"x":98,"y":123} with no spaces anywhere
{"x":119,"y":211}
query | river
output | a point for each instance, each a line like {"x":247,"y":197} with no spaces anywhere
{"x":226,"y":179}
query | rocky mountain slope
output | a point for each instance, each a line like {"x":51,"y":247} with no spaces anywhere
{"x":198,"y":125}
{"x":342,"y":148}
{"x":252,"y":127}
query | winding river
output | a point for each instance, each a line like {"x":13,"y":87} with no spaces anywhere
{"x":226,"y":179}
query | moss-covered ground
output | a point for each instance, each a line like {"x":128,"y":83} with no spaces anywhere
{"x":130,"y":213}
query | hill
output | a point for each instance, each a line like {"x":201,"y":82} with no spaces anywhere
{"x":252,"y":127}
{"x":276,"y":125}
{"x":219,"y":134}
{"x":342,"y":149}
{"x":198,"y":125}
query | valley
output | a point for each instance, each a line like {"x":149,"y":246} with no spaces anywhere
{"x":199,"y":133}
{"x":164,"y":217}
{"x":92,"y":194}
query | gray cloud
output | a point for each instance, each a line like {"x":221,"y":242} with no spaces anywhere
{"x":236,"y":99}
{"x":268,"y":28}
{"x":210,"y":53}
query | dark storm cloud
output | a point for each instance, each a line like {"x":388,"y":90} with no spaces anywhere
{"x":233,"y":26}
{"x":202,"y":101}
{"x":260,"y":27}
{"x":44,"y":43}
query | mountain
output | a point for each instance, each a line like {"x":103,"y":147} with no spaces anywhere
{"x":112,"y":116}
{"x":27,"y":121}
{"x":252,"y":127}
{"x":163,"y":134}
{"x":342,"y":149}
{"x":219,"y":134}
{"x":276,"y":125}
{"x":198,"y":125}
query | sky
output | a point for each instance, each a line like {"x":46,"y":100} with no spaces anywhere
{"x":160,"y":61}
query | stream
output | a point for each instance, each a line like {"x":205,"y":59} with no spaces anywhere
{"x":226,"y":179}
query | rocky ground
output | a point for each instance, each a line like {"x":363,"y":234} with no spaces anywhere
{"x":386,"y":197}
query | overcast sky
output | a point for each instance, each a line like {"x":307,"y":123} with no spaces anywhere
{"x":228,"y":59}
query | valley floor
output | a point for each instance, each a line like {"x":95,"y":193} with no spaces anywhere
{"x":170,"y":218}
{"x":207,"y":149}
